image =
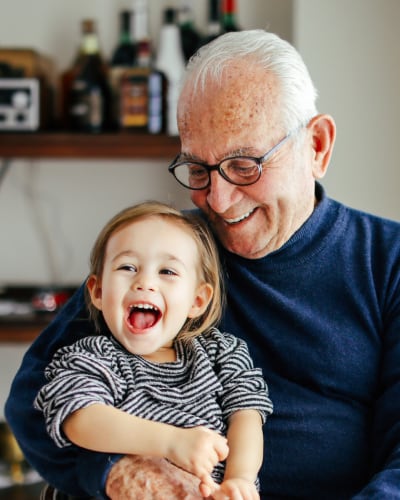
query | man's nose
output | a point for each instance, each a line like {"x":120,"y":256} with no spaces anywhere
{"x":221,"y":193}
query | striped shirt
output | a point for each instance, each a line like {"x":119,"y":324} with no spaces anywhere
{"x":213,"y":376}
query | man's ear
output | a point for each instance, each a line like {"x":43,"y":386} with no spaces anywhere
{"x":202,"y":299}
{"x":323,"y":134}
{"x":94,"y":287}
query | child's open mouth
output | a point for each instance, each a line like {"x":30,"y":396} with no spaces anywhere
{"x":142,"y":316}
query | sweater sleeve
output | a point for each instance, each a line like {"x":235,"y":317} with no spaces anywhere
{"x":71,"y":469}
{"x":79,"y":376}
{"x":385,"y":482}
{"x":243,"y":385}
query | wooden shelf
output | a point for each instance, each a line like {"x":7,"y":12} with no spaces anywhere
{"x":97,"y":146}
{"x":16,"y":333}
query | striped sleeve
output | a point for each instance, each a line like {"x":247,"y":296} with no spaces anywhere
{"x":78,"y":376}
{"x":244,"y":386}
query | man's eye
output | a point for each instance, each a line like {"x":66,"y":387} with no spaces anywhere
{"x":243,"y":169}
{"x":197,"y":172}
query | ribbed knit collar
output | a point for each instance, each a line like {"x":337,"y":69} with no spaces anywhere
{"x":304,"y":244}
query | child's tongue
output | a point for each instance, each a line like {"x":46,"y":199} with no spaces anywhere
{"x":142,"y":319}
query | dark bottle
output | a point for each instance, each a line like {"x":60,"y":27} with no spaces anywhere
{"x":229,"y":16}
{"x":123,"y":57}
{"x":190,"y":37}
{"x":89,"y":96}
{"x":125,"y":52}
{"x":214,"y":28}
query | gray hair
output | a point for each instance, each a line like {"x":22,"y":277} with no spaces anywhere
{"x":268,"y":51}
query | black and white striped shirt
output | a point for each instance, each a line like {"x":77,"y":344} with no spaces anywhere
{"x":213,"y":376}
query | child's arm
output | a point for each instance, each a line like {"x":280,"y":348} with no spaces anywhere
{"x":245,"y":441}
{"x":104,"y":428}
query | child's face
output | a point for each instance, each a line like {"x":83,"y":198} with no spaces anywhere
{"x":150,"y":286}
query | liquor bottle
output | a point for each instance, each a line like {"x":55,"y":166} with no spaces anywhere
{"x":214,"y":28}
{"x":124,"y":56}
{"x":140,"y":102}
{"x":171,"y":61}
{"x":229,"y":16}
{"x":190,"y":37}
{"x":125,"y":52}
{"x":89,"y":96}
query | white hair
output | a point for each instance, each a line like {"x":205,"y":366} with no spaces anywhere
{"x":267,"y":51}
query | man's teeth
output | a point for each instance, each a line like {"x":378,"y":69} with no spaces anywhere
{"x":240,"y":218}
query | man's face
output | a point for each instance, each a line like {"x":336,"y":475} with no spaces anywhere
{"x":241,"y":117}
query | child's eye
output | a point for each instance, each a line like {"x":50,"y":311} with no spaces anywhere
{"x":127,"y":267}
{"x":168,"y":272}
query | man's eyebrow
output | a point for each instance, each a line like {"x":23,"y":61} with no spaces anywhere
{"x":247,"y":151}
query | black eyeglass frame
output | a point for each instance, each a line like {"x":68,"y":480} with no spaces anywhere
{"x":217,"y":166}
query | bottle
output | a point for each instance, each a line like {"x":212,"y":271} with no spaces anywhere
{"x":138,"y":85}
{"x":189,"y":35}
{"x":123,"y":57}
{"x":89,"y":95}
{"x":229,"y":16}
{"x":214,"y":28}
{"x":125,"y":52}
{"x":171,"y":61}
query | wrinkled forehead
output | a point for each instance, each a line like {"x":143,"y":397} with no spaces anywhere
{"x":244,"y":98}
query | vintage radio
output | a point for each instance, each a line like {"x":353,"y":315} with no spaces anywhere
{"x":27,"y":91}
{"x":19,"y":104}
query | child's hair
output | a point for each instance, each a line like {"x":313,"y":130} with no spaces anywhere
{"x":209,"y":266}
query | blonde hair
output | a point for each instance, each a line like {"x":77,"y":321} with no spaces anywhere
{"x":209,"y":268}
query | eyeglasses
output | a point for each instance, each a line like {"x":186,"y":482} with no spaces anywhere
{"x":238,"y":170}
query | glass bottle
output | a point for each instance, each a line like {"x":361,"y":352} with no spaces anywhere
{"x":229,"y":16}
{"x":171,"y":61}
{"x":214,"y":28}
{"x":138,"y":99}
{"x":189,"y":35}
{"x":89,"y":96}
{"x":124,"y":56}
{"x":125,"y":52}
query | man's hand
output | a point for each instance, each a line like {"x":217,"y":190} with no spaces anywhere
{"x":150,"y":478}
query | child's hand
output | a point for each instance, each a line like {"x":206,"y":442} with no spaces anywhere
{"x":198,"y":450}
{"x":236,"y":489}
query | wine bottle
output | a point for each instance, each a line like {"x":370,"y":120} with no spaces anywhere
{"x":190,"y":37}
{"x":124,"y":56}
{"x":214,"y":28}
{"x":125,"y":52}
{"x":89,"y":96}
{"x":135,"y":88}
{"x":229,"y":16}
{"x":170,"y":60}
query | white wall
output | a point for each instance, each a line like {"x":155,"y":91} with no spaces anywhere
{"x":352,"y":49}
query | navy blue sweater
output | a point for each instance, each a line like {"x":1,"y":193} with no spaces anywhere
{"x":321,"y":316}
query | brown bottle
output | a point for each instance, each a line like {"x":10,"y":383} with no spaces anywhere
{"x":89,"y":99}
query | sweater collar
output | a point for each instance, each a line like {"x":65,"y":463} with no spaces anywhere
{"x":309,"y":239}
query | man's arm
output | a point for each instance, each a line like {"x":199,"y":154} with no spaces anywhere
{"x":385,"y":446}
{"x":71,"y":470}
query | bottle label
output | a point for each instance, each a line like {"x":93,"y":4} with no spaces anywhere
{"x":134,"y":100}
